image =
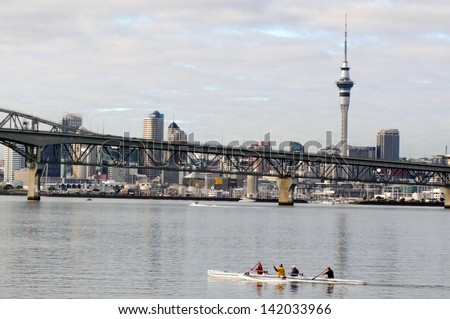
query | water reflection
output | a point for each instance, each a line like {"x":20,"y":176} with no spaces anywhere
{"x":330,"y":288}
{"x":286,"y":290}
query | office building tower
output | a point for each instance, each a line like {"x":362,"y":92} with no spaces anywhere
{"x":174,"y":135}
{"x":73,"y":120}
{"x":344,"y":84}
{"x":12,"y":161}
{"x":153,"y":129}
{"x":388,"y":144}
{"x":256,"y":166}
{"x":362,"y":151}
{"x":55,"y":154}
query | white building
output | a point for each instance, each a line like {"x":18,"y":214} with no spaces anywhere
{"x":13,"y":161}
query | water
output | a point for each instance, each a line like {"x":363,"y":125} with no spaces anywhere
{"x":73,"y":248}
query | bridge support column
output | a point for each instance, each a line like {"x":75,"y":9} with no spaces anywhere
{"x":446,"y":191}
{"x":34,"y":181}
{"x":34,"y":176}
{"x":285,"y":190}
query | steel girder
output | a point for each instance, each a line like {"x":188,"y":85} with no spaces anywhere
{"x":85,"y":148}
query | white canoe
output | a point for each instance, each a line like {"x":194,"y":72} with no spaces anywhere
{"x":287,"y":279}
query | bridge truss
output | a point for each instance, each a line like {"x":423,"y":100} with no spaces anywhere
{"x":32,"y":137}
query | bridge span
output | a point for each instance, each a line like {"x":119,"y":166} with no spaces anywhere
{"x":30,"y":136}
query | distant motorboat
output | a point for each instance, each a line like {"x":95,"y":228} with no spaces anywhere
{"x":328,"y":202}
{"x":246,"y":200}
{"x":198,"y":204}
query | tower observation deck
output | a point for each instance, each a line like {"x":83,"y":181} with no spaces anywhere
{"x":344,"y":84}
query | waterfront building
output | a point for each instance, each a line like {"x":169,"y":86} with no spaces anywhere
{"x":12,"y":161}
{"x":388,"y":144}
{"x":153,"y":129}
{"x":122,"y":174}
{"x":344,"y":84}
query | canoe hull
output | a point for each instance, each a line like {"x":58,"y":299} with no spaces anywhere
{"x":275,"y":279}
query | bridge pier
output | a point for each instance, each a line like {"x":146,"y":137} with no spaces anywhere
{"x":34,"y":181}
{"x":34,"y":175}
{"x":446,"y":191}
{"x":285,"y":191}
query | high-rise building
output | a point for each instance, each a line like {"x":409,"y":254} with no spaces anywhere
{"x":344,"y":84}
{"x":73,"y":120}
{"x":174,"y":135}
{"x":12,"y":161}
{"x":257,"y":166}
{"x":153,"y":129}
{"x":362,"y":151}
{"x":57,"y":153}
{"x":388,"y":144}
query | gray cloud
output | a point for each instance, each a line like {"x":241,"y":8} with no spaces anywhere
{"x":229,"y":69}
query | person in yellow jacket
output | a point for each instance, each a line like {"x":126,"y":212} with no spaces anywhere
{"x":280,"y":271}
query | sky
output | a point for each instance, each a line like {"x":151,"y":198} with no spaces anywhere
{"x":230,"y":70}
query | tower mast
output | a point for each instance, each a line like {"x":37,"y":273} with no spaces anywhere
{"x":344,"y":84}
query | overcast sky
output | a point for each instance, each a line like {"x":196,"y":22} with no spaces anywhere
{"x":233,"y":69}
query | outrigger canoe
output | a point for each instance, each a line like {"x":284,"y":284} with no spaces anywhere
{"x":287,"y":279}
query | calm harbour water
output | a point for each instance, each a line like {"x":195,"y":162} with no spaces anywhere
{"x":73,"y":248}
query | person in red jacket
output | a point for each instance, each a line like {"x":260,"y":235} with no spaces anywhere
{"x":259,"y":268}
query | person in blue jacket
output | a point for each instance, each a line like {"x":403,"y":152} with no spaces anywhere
{"x":295,"y":271}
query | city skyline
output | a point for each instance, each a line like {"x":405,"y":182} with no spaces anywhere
{"x":233,"y":71}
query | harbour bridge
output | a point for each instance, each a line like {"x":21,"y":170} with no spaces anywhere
{"x":30,"y":136}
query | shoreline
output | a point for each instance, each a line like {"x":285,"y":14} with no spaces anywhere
{"x":397,"y":203}
{"x":226,"y":199}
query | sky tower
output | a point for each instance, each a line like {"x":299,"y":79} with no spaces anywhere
{"x":344,"y":84}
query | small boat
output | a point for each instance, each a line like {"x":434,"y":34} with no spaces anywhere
{"x":196,"y":204}
{"x":288,"y":279}
{"x":247,"y":200}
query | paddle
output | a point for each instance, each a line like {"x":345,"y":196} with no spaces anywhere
{"x":248,"y":272}
{"x":319,"y":274}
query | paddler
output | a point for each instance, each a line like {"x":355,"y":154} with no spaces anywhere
{"x":294,"y":271}
{"x":280,"y":271}
{"x":328,"y":272}
{"x":259,"y":268}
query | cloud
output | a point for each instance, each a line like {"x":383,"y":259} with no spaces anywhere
{"x":229,"y":67}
